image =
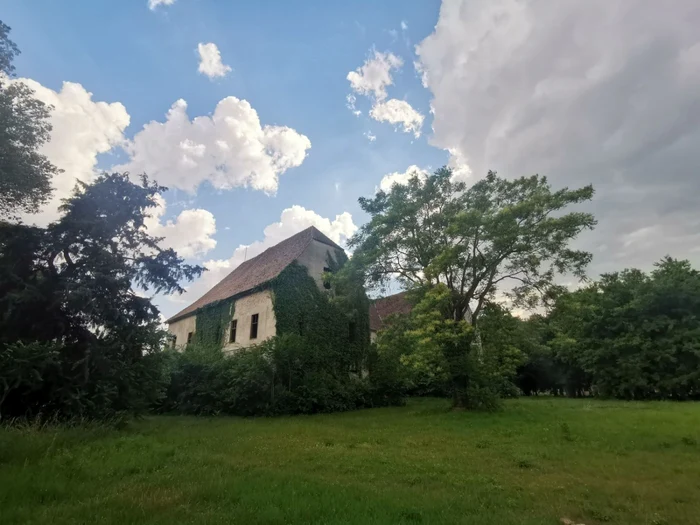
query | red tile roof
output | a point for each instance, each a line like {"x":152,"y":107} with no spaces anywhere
{"x":382,"y":308}
{"x":258,"y":270}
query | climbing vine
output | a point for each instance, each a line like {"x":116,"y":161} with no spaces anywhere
{"x":212,"y":322}
{"x":334,"y":322}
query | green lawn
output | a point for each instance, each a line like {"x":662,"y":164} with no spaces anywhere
{"x":537,"y":461}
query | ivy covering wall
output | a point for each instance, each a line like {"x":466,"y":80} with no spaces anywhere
{"x":336,"y":326}
{"x":212,"y":322}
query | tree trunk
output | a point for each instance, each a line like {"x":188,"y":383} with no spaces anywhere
{"x":457,"y":357}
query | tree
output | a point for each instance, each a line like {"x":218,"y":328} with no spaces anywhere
{"x":474,"y":241}
{"x":25,"y":174}
{"x":69,"y":287}
{"x":633,"y":335}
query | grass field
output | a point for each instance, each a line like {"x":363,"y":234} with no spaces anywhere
{"x":537,"y":461}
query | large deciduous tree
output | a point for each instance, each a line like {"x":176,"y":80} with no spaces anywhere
{"x":499,"y":234}
{"x":25,"y":174}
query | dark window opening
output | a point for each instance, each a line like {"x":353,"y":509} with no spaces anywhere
{"x":301,"y":327}
{"x":326,"y":280}
{"x":254,"y":326}
{"x":189,"y":337}
{"x":352,"y":328}
{"x":217,"y":334}
{"x":232,"y":332}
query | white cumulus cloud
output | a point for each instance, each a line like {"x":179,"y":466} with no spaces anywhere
{"x":230,"y":148}
{"x":152,"y":4}
{"x":400,"y":113}
{"x":210,"y":63}
{"x":374,"y":76}
{"x":292,"y":220}
{"x":82,"y":129}
{"x":398,"y":177}
{"x":190,"y":234}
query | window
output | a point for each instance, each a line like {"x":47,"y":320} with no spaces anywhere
{"x":326,"y":281}
{"x":352,"y":328}
{"x":254,"y":326}
{"x":232,"y":331}
{"x":189,"y":337}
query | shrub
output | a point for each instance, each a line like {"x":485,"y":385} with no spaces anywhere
{"x":283,"y":375}
{"x":41,"y":380}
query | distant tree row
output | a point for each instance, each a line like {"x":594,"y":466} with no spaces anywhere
{"x":630,"y":335}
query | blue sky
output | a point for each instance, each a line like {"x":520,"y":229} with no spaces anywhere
{"x":598,"y":92}
{"x":289,"y":61}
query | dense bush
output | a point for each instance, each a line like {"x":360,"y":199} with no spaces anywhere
{"x":283,"y":375}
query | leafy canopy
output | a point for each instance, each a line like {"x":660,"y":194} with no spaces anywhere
{"x":25,"y":174}
{"x":436,"y":230}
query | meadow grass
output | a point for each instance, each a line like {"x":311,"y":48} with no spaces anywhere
{"x":533,"y":463}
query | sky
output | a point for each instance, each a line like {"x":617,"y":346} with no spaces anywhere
{"x":264,"y":118}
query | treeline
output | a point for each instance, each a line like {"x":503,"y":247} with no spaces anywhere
{"x":630,"y":335}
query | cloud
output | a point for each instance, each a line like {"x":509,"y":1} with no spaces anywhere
{"x":398,"y":112}
{"x":82,"y":129}
{"x":292,"y":220}
{"x":190,"y":234}
{"x":401,"y":178}
{"x":229,"y":149}
{"x":210,"y":63}
{"x":374,"y":76}
{"x":371,"y":80}
{"x":350,"y":101}
{"x":404,"y":25}
{"x":583,"y":92}
{"x":370,"y":136}
{"x":152,"y":4}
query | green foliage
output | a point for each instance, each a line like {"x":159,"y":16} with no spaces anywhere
{"x":634,"y":335}
{"x":439,"y":356}
{"x":283,"y":375}
{"x":25,"y":174}
{"x":212,"y":321}
{"x":438,"y":233}
{"x":70,"y":319}
{"x":335,"y":323}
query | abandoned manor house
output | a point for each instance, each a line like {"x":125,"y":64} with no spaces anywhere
{"x":282,"y":290}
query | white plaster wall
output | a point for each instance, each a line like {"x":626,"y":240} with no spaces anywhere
{"x":315,"y":258}
{"x":181,"y":328}
{"x":258,"y":303}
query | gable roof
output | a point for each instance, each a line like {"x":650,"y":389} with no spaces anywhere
{"x":382,"y":308}
{"x":258,"y":270}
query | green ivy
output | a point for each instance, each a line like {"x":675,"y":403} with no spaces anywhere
{"x":339,"y":327}
{"x":335,"y":321}
{"x":212,"y":322}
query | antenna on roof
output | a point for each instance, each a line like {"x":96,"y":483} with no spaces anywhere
{"x":245,"y":254}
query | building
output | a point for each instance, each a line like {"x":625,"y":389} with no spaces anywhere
{"x":381,"y":309}
{"x":281,"y":290}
